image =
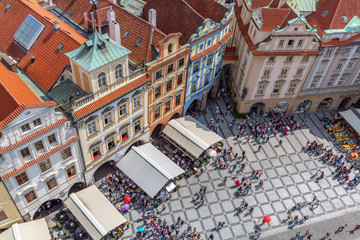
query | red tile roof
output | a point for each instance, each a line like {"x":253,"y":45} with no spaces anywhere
{"x":49,"y":63}
{"x":259,"y":3}
{"x":42,"y":157}
{"x":137,"y":27}
{"x":33,"y":135}
{"x":92,"y":107}
{"x":208,"y":9}
{"x":336,"y":42}
{"x":273,"y":17}
{"x":15,"y":96}
{"x":169,"y":22}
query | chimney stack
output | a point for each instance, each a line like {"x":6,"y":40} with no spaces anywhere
{"x":51,"y":4}
{"x":56,"y":25}
{"x":152,"y":17}
{"x":114,"y":27}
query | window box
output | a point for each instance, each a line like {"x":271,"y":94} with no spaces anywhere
{"x":167,"y":109}
{"x":157,"y":116}
{"x":125,"y":137}
{"x":206,"y":83}
{"x":157,"y":95}
{"x":97,"y":155}
{"x":193,"y":90}
{"x":168,"y":89}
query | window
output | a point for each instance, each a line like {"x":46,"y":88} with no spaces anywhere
{"x":209,"y":60}
{"x":170,"y":48}
{"x":126,"y":33}
{"x":37,"y":122}
{"x":277,"y":89}
{"x":70,"y":172}
{"x":347,"y":51}
{"x":181,"y":62}
{"x":102,"y":80}
{"x":305,"y":58}
{"x":300,"y":43}
{"x":283,"y":72}
{"x":21,"y":178}
{"x":52,"y":139}
{"x":201,"y":47}
{"x":314,"y":83}
{"x":331,"y":82}
{"x":193,"y":86}
{"x":30,"y":196}
{"x":137,"y":125}
{"x":357,"y":81}
{"x":45,"y":165}
{"x":118,"y":72}
{"x":123,"y":109}
{"x":357,"y":50}
{"x":196,"y":66}
{"x":25,"y":152}
{"x":124,"y":133}
{"x":290,"y":43}
{"x":170,"y":68}
{"x":292,"y":88}
{"x":108,"y":118}
{"x":254,"y":33}
{"x":60,"y":47}
{"x":39,"y":146}
{"x":51,"y":183}
{"x":179,"y":79}
{"x":110,"y":142}
{"x":137,"y":101}
{"x":157,"y":92}
{"x":95,"y":151}
{"x":169,"y":85}
{"x":25,"y":127}
{"x":299,"y":71}
{"x":91,"y":128}
{"x":350,"y":65}
{"x":341,"y":82}
{"x":158,"y":75}
{"x":261,"y":90}
{"x":281,"y":43}
{"x":289,"y":58}
{"x":2,"y":215}
{"x":138,"y":42}
{"x":329,"y":51}
{"x":167,"y":106}
{"x":272,"y":59}
{"x":267,"y":72}
{"x":322,"y":67}
{"x":339,"y":66}
{"x":157,"y":112}
{"x":66,"y":153}
{"x":28,"y":32}
{"x":177,"y":100}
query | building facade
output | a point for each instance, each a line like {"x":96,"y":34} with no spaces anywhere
{"x":113,"y":115}
{"x":276,"y":48}
{"x":334,"y":80}
{"x":39,"y":148}
{"x":9,"y":214}
{"x":168,"y":82}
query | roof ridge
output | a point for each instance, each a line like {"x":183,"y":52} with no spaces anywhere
{"x":332,"y":17}
{"x":193,"y":9}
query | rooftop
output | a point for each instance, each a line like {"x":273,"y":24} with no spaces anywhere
{"x":47,"y":50}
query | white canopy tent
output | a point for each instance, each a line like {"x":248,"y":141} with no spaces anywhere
{"x":149,"y":168}
{"x":352,"y":117}
{"x":190,"y":135}
{"x":33,"y":230}
{"x":94,"y":212}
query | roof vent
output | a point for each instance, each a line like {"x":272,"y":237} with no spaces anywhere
{"x":139,"y":41}
{"x":344,"y":19}
{"x":56,"y":26}
{"x":8,"y":7}
{"x":32,"y":60}
{"x":325,"y":13}
{"x":126,"y":33}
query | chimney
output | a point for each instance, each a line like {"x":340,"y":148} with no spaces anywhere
{"x":152,"y":17}
{"x":114,"y":27}
{"x":9,"y":62}
{"x":32,"y":60}
{"x":51,"y":4}
{"x":56,"y":26}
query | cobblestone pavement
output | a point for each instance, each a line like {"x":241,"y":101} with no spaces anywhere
{"x":287,"y":180}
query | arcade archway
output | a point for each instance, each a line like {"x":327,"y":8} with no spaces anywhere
{"x":194,"y":107}
{"x":325,"y":104}
{"x":135,"y":144}
{"x":104,"y":170}
{"x":76,"y":187}
{"x":258,"y":108}
{"x":47,"y":208}
{"x":344,"y":103}
{"x":304,"y":106}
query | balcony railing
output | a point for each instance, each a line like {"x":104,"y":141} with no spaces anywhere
{"x":107,"y":89}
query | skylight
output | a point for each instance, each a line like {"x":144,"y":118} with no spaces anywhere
{"x":324,"y":13}
{"x":126,"y":33}
{"x":344,"y":19}
{"x":28,"y":32}
{"x":138,"y":42}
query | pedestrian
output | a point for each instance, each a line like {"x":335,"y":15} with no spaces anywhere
{"x":211,"y":237}
{"x":234,"y":167}
{"x":259,"y":148}
{"x":342,"y":227}
{"x":280,"y":142}
{"x":298,"y":234}
{"x":225,"y":179}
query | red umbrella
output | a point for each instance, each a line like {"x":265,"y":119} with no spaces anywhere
{"x":127,"y":199}
{"x":267,"y":219}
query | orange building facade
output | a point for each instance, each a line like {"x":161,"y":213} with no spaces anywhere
{"x":168,"y":82}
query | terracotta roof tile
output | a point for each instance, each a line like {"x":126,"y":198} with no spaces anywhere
{"x":260,"y":3}
{"x":42,"y":157}
{"x":273,"y":17}
{"x":49,"y":63}
{"x":33,"y":135}
{"x":213,"y":10}
{"x":92,"y":107}
{"x":136,"y":27}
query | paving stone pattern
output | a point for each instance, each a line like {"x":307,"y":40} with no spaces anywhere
{"x":287,"y":180}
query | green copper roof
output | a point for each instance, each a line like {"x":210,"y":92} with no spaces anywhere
{"x":97,"y":51}
{"x":352,"y":27}
{"x":303,"y":5}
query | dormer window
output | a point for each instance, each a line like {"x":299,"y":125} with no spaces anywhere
{"x":28,"y":32}
{"x":170,"y":48}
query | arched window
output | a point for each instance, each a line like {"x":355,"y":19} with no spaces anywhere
{"x":118,"y":72}
{"x":170,"y":48}
{"x":102,"y":80}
